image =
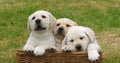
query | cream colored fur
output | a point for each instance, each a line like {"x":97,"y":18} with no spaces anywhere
{"x":84,"y":37}
{"x":40,"y":40}
{"x":63,"y":22}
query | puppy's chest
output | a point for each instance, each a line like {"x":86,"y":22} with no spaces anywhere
{"x":44,"y":40}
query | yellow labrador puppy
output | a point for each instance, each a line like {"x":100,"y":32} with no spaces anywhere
{"x":81,"y":38}
{"x":61,"y":28}
{"x":41,"y":38}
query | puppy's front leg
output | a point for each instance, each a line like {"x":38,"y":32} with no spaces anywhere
{"x":28,"y":48}
{"x":93,"y":54}
{"x":40,"y":50}
{"x":51,"y":48}
{"x":67,"y":48}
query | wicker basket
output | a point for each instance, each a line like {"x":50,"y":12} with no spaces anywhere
{"x":55,"y":57}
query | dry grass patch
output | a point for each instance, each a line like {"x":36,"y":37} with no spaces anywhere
{"x":109,"y":41}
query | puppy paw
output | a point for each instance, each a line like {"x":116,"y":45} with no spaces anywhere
{"x":93,"y":55}
{"x":51,"y":49}
{"x":66,"y":48}
{"x":28,"y":48}
{"x":39,"y":51}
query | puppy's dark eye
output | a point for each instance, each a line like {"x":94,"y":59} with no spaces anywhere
{"x":33,"y":18}
{"x":43,"y":16}
{"x":81,"y":38}
{"x":71,"y":40}
{"x":68,"y":25}
{"x":58,"y":24}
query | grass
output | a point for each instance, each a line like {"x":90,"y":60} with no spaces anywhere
{"x":102,"y":16}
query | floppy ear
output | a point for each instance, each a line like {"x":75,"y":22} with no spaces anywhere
{"x":28,"y":24}
{"x":53,"y":21}
{"x":90,"y":34}
{"x":75,"y":24}
{"x":64,"y":42}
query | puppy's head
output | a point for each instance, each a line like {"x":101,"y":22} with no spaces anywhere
{"x":62,"y":27}
{"x":41,"y":21}
{"x":78,"y":38}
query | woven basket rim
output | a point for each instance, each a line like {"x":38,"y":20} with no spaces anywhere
{"x":55,"y":57}
{"x":60,"y":52}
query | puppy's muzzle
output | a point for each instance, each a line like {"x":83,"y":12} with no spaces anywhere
{"x":38,"y":21}
{"x":60,"y":31}
{"x":39,"y":27}
{"x":78,"y":47}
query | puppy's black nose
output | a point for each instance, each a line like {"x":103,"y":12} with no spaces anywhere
{"x":38,"y":21}
{"x":78,"y":47}
{"x":61,"y":29}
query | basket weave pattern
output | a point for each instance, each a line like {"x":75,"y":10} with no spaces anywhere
{"x":54,"y":57}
